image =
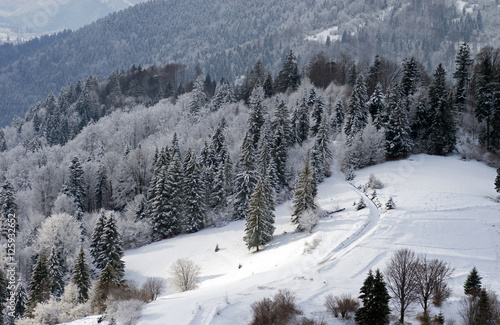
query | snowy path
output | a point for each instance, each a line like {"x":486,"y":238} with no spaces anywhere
{"x":352,"y":241}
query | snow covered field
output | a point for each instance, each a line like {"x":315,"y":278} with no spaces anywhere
{"x":446,"y":208}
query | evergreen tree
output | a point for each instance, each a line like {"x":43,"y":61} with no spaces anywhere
{"x":443,"y":134}
{"x":174,"y":203}
{"x":484,"y":314}
{"x":259,"y":226}
{"x":317,"y":115}
{"x":288,"y":77}
{"x":52,"y":121}
{"x":472,"y":285}
{"x":338,"y":119}
{"x":75,"y":187}
{"x":8,"y":208}
{"x":107,"y":281}
{"x":321,"y":154}
{"x":102,"y":191}
{"x":3,"y":142}
{"x":411,"y":76}
{"x":40,"y":284}
{"x":305,"y":192}
{"x":268,"y":86}
{"x":357,"y":115}
{"x":282,"y":120}
{"x":256,"y":119}
{"x":398,"y":142}
{"x":224,"y":94}
{"x":246,"y":178}
{"x":96,"y":248}
{"x":279,"y":154}
{"x":195,"y":204}
{"x":81,"y":277}
{"x":301,"y":119}
{"x":56,"y":272}
{"x":463,"y":63}
{"x":376,"y":106}
{"x":86,"y":106}
{"x":112,"y":247}
{"x":497,"y":181}
{"x":21,"y":301}
{"x":375,"y":299}
{"x":198,"y":96}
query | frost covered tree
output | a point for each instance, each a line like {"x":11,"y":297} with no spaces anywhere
{"x":305,"y":192}
{"x":4,"y":295}
{"x":185,"y":275}
{"x":95,"y":241}
{"x":21,"y":301}
{"x":256,"y":119}
{"x":81,"y":277}
{"x":224,"y":94}
{"x":259,"y":222}
{"x":75,"y":185}
{"x":246,"y":178}
{"x":376,"y":106}
{"x":279,"y":154}
{"x":57,"y":271}
{"x":463,"y":64}
{"x":198,"y":96}
{"x":282,"y":120}
{"x":102,"y":189}
{"x":410,"y":78}
{"x":111,"y":251}
{"x":195,"y":204}
{"x":397,"y":130}
{"x":338,"y":118}
{"x":8,"y":208}
{"x":357,"y":113}
{"x":288,"y":77}
{"x":301,"y":122}
{"x":321,"y":155}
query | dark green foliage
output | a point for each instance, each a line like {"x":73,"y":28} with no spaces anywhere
{"x":106,"y":283}
{"x":376,"y":106}
{"x":375,"y":299}
{"x":81,"y":277}
{"x":338,"y":119}
{"x":321,"y":155}
{"x":463,"y":63}
{"x":75,"y":186}
{"x":305,"y":192}
{"x":56,"y":272}
{"x":288,"y":77}
{"x":484,"y":314}
{"x":398,"y":142}
{"x":195,"y":204}
{"x":256,"y":119}
{"x":112,"y":247}
{"x":411,"y":77}
{"x":245,"y":179}
{"x":317,"y":115}
{"x":259,"y":226}
{"x":357,"y":114}
{"x":40,"y":284}
{"x":472,"y":285}
{"x":21,"y":301}
{"x":102,"y":188}
{"x":96,"y":248}
{"x":300,"y":122}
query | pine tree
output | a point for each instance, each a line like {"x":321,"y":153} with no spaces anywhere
{"x":81,"y":277}
{"x":245,"y":179}
{"x":8,"y":208}
{"x":112,"y":247}
{"x":398,"y":142}
{"x":288,"y":77}
{"x":56,"y":272}
{"x":375,"y":299}
{"x":174,"y":203}
{"x":21,"y":303}
{"x":53,"y":121}
{"x":74,"y":186}
{"x":321,"y":154}
{"x":484,"y":314}
{"x":472,"y":285}
{"x":198,"y":96}
{"x":357,"y":115}
{"x":302,"y":123}
{"x":305,"y":192}
{"x":411,"y":76}
{"x":96,"y":248}
{"x":338,"y":119}
{"x":317,"y":115}
{"x":443,"y":134}
{"x":107,"y":281}
{"x":40,"y":284}
{"x":195,"y":204}
{"x":224,"y":94}
{"x":463,"y":63}
{"x":268,"y":86}
{"x":279,"y":154}
{"x":282,"y":120}
{"x":259,"y":226}
{"x":102,"y":192}
{"x":256,"y":119}
{"x":376,"y":106}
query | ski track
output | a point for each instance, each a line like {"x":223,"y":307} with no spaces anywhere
{"x":352,"y":241}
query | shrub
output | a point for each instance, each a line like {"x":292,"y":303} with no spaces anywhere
{"x":124,"y":312}
{"x":360,"y":205}
{"x":389,"y":205}
{"x":308,"y":220}
{"x":185,"y":275}
{"x":280,"y":310}
{"x":344,"y":305}
{"x":152,"y":288}
{"x":374,"y":183}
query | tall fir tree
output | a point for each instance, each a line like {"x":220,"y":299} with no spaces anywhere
{"x":279,"y":154}
{"x":288,"y":78}
{"x":376,"y":106}
{"x":317,"y":115}
{"x":443,"y":134}
{"x":338,"y":118}
{"x":398,"y":141}
{"x":463,"y":64}
{"x":259,"y":225}
{"x":75,"y":186}
{"x":57,"y":272}
{"x":195,"y":204}
{"x":256,"y":119}
{"x":375,"y":299}
{"x":472,"y":285}
{"x":305,"y":192}
{"x":282,"y":120}
{"x":357,"y":114}
{"x":198,"y":96}
{"x":321,"y":155}
{"x":40,"y":284}
{"x":174,"y":204}
{"x":81,"y":277}
{"x":102,"y":191}
{"x":108,"y":280}
{"x":411,"y":77}
{"x":96,"y":248}
{"x":112,"y":247}
{"x":21,"y":301}
{"x":302,"y":125}
{"x":246,"y":178}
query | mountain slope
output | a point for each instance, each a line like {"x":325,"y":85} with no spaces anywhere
{"x":445,"y":209}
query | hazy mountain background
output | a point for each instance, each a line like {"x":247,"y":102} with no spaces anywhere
{"x":225,"y":37}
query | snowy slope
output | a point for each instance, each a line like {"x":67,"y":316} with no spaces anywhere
{"x":445,"y":208}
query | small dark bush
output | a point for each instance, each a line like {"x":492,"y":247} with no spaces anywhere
{"x":279,"y":311}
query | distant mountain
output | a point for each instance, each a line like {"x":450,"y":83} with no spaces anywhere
{"x":224,"y":37}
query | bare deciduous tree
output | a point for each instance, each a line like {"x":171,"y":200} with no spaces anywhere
{"x":343,"y":305}
{"x":401,"y":276}
{"x":185,"y":275}
{"x":431,"y":278}
{"x":152,"y":288}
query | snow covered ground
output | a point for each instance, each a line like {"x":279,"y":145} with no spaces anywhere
{"x":322,"y":36}
{"x":446,"y":208}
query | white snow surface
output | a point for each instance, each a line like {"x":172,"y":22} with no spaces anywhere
{"x":446,"y":209}
{"x":322,"y":36}
{"x":462,"y":4}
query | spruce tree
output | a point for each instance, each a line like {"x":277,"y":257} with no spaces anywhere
{"x":108,"y":280}
{"x":279,"y":154}
{"x":357,"y":114}
{"x":317,"y":115}
{"x":40,"y":284}
{"x":8,"y":208}
{"x":56,"y":272}
{"x":246,"y":178}
{"x":259,"y":226}
{"x":102,"y":191}
{"x":305,"y":192}
{"x":497,"y":181}
{"x":282,"y":120}
{"x":3,"y":142}
{"x":256,"y":119}
{"x":81,"y":276}
{"x":195,"y":204}
{"x":338,"y":119}
{"x":376,"y":106}
{"x":75,"y":186}
{"x":112,"y":247}
{"x":472,"y":285}
{"x":398,"y":142}
{"x":96,"y":247}
{"x":301,"y":118}
{"x":411,"y":76}
{"x":375,"y":299}
{"x":21,"y":301}
{"x":174,"y":204}
{"x":288,"y":78}
{"x":484,"y":314}
{"x":321,"y":154}
{"x":198,"y":96}
{"x":463,"y":63}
